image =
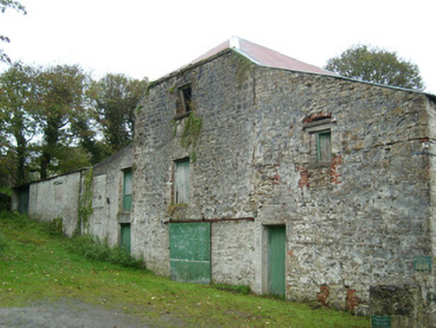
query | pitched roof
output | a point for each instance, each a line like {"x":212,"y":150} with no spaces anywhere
{"x":262,"y":56}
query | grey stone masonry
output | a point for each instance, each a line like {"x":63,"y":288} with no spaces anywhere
{"x":363,"y":219}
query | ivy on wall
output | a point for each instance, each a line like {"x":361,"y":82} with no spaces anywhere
{"x":85,"y":203}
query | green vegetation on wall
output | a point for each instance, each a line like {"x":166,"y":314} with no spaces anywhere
{"x":190,"y":134}
{"x":243,"y":66}
{"x":85,"y":203}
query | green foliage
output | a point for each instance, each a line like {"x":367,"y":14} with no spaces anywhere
{"x":56,"y":226}
{"x":191,"y":132}
{"x":376,"y":66}
{"x":239,"y":289}
{"x":85,"y":203}
{"x":3,"y":244}
{"x":17,"y":120}
{"x":60,"y":105}
{"x":114,"y":100}
{"x":6,"y":191}
{"x":93,"y":248}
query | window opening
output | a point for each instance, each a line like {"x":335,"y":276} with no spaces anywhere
{"x":185,"y":100}
{"x":127,"y":191}
{"x":181,"y":185}
{"x":319,"y":130}
{"x":323,"y":146}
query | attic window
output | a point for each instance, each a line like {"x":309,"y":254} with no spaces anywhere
{"x":184,"y":100}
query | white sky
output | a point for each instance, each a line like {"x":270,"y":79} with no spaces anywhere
{"x":152,"y":38}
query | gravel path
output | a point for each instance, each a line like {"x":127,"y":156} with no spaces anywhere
{"x":66,"y":314}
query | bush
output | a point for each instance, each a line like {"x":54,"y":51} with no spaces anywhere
{"x":94,"y":249}
{"x":56,"y":226}
{"x":20,"y":220}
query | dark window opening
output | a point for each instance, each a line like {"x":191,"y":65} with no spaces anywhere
{"x":184,"y":101}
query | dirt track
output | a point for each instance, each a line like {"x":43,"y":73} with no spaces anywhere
{"x":66,"y":314}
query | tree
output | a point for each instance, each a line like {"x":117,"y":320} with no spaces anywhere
{"x":376,"y":66}
{"x":115,"y":97}
{"x":5,"y":4}
{"x":59,"y":108}
{"x":17,"y":87}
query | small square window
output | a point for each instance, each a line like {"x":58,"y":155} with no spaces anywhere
{"x":184,"y":100}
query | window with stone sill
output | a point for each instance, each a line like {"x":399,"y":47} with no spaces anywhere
{"x":319,"y":131}
{"x":184,"y":101}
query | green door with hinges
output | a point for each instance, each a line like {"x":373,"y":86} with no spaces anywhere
{"x":276,"y":259}
{"x":125,"y":237}
{"x":190,"y":252}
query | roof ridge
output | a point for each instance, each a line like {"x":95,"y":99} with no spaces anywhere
{"x":262,"y":56}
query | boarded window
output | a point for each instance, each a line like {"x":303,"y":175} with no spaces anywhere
{"x":181,"y":183}
{"x":320,"y":141}
{"x":323,"y":146}
{"x":127,"y":191}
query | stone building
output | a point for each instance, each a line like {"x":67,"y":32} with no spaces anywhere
{"x":94,"y":200}
{"x":252,"y":168}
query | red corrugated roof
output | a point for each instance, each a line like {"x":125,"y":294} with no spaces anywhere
{"x":263,"y":56}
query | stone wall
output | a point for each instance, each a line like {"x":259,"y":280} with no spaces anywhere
{"x":107,"y":192}
{"x":362,"y":221}
{"x":219,"y":175}
{"x":358,"y":222}
{"x":57,"y":197}
{"x":62,"y":197}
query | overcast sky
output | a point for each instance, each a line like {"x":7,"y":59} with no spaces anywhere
{"x":143,"y":38}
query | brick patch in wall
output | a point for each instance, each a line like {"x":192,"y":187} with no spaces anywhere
{"x":351,"y":299}
{"x":316,"y":116}
{"x":323,"y":294}
{"x":304,"y":178}
{"x":335,"y":177}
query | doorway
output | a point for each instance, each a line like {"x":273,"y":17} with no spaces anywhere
{"x":276,"y":260}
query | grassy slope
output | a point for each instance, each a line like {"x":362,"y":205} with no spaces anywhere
{"x":37,"y":266}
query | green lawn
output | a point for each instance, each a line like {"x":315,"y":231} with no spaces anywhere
{"x":37,"y":265}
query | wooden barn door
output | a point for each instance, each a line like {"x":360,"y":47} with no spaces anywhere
{"x":190,"y":252}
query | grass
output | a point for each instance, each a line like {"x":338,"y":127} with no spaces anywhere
{"x":38,"y":265}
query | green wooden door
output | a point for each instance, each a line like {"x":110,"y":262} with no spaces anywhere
{"x":276,"y":260}
{"x":190,"y":252}
{"x":23,"y":200}
{"x":125,"y":236}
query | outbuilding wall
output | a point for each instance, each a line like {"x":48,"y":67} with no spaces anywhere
{"x":57,"y":197}
{"x":107,"y":192}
